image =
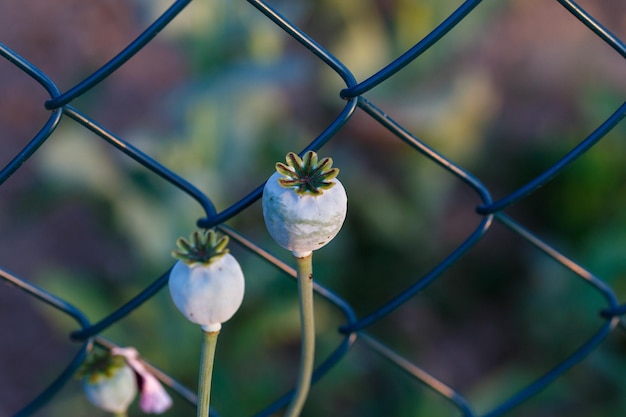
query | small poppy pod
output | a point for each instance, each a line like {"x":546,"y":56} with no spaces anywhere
{"x":207,"y":283}
{"x":304,"y":205}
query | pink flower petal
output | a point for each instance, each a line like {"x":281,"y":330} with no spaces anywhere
{"x":154,"y":398}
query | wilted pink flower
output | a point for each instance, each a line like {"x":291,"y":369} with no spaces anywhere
{"x":154,"y":399}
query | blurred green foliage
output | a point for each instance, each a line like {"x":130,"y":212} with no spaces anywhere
{"x":489,"y":326}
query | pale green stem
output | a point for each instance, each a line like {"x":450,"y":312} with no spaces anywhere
{"x":209,"y":341}
{"x":121,"y":414}
{"x":307,"y":323}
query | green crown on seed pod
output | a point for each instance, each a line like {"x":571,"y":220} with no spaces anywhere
{"x":307,"y":175}
{"x":100,"y":365}
{"x":202,"y":247}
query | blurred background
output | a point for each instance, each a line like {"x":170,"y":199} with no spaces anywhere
{"x":220,"y":96}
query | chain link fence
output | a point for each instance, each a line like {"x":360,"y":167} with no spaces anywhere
{"x":358,"y":325}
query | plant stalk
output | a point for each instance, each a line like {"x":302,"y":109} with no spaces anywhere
{"x":209,"y":341}
{"x":307,"y":324}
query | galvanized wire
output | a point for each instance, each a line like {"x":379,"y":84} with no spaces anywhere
{"x":354,"y":327}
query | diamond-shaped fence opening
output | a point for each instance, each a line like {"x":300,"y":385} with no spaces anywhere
{"x":480,"y":145}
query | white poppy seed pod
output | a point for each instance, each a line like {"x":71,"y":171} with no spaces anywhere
{"x":304,"y":204}
{"x":109,"y":383}
{"x":207,"y":283}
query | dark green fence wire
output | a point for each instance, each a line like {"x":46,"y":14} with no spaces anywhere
{"x":354,"y":329}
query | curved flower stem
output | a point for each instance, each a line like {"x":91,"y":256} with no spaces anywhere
{"x":307,"y":323}
{"x":121,"y":414}
{"x":209,"y":341}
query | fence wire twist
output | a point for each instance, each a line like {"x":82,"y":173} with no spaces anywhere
{"x":354,"y":328}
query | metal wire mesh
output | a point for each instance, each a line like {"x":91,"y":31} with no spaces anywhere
{"x":354,"y":329}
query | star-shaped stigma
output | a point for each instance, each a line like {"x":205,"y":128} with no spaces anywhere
{"x":202,"y":247}
{"x":307,"y":175}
